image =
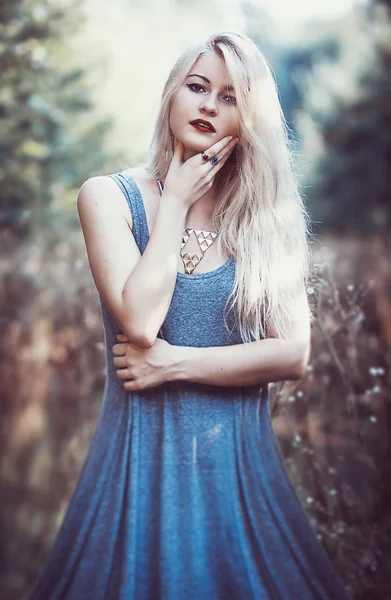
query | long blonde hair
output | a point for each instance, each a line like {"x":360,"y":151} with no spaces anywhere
{"x":259,"y":213}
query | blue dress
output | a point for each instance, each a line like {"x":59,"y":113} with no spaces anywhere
{"x":183,"y":494}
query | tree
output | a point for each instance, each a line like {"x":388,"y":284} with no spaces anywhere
{"x":346,"y":133}
{"x":49,"y":136}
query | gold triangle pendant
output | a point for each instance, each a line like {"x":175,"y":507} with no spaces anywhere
{"x":204,"y":238}
{"x":191,"y":259}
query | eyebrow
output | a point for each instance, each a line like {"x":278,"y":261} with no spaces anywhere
{"x":229,"y":88}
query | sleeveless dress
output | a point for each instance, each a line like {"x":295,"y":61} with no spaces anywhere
{"x":183,"y":494}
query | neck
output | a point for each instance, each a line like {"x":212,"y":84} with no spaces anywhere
{"x":199,"y":215}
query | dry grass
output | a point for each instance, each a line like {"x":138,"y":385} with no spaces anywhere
{"x":333,"y":425}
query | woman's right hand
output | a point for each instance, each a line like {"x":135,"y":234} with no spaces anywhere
{"x":188,"y":181}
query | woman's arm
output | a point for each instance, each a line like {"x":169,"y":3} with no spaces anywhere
{"x":136,"y":289}
{"x":271,"y":359}
{"x":240,"y":365}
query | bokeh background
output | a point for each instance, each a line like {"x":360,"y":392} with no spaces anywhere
{"x":79,"y":91}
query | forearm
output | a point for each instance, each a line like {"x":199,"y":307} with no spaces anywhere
{"x":253,"y":363}
{"x":149,"y":288}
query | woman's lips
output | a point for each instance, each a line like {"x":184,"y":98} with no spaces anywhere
{"x":201,"y":128}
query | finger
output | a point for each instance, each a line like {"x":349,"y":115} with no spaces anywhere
{"x":119,"y":349}
{"x":121,"y":336}
{"x":137,"y":384}
{"x":219,"y":146}
{"x":120,"y":361}
{"x":222,"y":159}
{"x":229,"y":147}
{"x":227,"y":150}
{"x":132,"y":386}
{"x":124,"y":374}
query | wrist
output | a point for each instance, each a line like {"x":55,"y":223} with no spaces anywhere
{"x":179,"y":360}
{"x":172,"y":202}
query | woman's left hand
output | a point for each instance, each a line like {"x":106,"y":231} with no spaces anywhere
{"x":142,"y":368}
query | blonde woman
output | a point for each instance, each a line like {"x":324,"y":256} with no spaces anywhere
{"x":200,"y":258}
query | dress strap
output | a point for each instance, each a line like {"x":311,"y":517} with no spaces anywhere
{"x":136,"y":206}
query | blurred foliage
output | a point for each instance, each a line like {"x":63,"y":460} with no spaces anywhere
{"x":345,"y":129}
{"x":48,"y":142}
{"x":295,"y":65}
{"x":52,"y":372}
{"x":334,"y":423}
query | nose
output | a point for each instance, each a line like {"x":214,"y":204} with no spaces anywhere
{"x":208,"y":105}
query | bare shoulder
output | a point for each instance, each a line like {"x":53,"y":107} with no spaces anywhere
{"x":102,"y":190}
{"x":105,"y":191}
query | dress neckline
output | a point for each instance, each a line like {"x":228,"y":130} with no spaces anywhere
{"x":180,"y":275}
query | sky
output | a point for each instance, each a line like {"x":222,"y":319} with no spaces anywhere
{"x":288,"y":13}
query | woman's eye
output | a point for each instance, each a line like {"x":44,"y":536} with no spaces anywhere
{"x":231,"y":99}
{"x":195,"y":85}
{"x":197,"y":88}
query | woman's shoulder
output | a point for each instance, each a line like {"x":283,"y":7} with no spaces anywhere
{"x":139,"y":180}
{"x":139,"y":176}
{"x":132,"y":174}
{"x":104,"y":187}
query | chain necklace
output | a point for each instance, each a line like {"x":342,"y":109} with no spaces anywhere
{"x":204,"y":239}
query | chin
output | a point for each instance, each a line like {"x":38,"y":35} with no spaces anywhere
{"x":191,"y":147}
{"x":195,"y":141}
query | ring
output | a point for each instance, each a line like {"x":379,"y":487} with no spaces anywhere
{"x":214,"y":160}
{"x":205,"y":156}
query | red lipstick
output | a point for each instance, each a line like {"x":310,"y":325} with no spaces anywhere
{"x":202,"y":125}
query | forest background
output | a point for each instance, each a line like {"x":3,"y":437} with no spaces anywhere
{"x":79,"y":91}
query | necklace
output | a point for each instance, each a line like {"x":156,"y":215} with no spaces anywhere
{"x":203,"y":238}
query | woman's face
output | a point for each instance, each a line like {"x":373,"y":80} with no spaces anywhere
{"x":205,"y":94}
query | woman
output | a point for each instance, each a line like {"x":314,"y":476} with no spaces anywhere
{"x":200,"y":258}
